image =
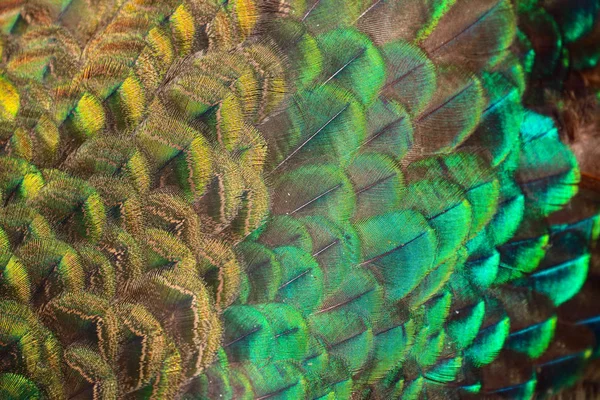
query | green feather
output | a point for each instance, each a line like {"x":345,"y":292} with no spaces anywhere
{"x":17,"y":387}
{"x":352,"y":61}
{"x":392,"y":344}
{"x":336,"y":247}
{"x":533,"y":340}
{"x":548,"y":172}
{"x":448,"y":212}
{"x":488,"y":342}
{"x":301,"y":279}
{"x":464,"y":325}
{"x":389,"y":129}
{"x":290,"y":330}
{"x":411,"y":76}
{"x":248,"y":335}
{"x":385,"y":247}
{"x":327,"y":124}
{"x":378,"y":183}
{"x":498,"y":131}
{"x":559,"y":282}
{"x":263,"y":273}
{"x":281,"y":379}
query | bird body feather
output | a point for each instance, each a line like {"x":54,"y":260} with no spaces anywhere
{"x":293,"y":199}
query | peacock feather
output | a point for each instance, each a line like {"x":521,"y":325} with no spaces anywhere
{"x":298,"y":199}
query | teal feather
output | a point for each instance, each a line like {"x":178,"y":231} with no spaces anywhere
{"x":483,"y":269}
{"x":488,"y":342}
{"x":345,"y":68}
{"x":435,"y":281}
{"x":334,"y":246}
{"x":414,"y":247}
{"x":447,"y":209}
{"x":533,"y":340}
{"x":301,"y":279}
{"x":498,"y":131}
{"x":548,"y":173}
{"x":464,"y":325}
{"x":378,"y":184}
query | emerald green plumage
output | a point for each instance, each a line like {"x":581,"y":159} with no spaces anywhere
{"x":292,"y":199}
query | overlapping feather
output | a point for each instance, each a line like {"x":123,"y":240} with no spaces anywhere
{"x":260,"y":199}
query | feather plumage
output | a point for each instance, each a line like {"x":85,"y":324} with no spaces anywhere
{"x":291,"y":199}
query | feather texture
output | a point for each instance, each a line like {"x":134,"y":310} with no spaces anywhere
{"x":318,"y":199}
